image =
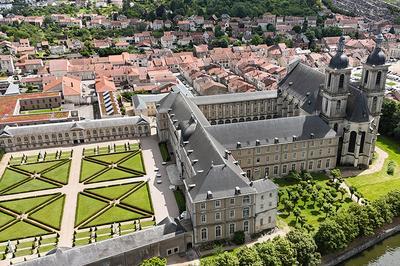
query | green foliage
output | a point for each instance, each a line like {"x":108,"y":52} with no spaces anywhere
{"x":391,"y":168}
{"x":180,"y":200}
{"x":238,"y":238}
{"x":330,"y":237}
{"x":389,"y":124}
{"x":248,"y":256}
{"x":155,"y":261}
{"x":164,"y":151}
{"x":305,"y":248}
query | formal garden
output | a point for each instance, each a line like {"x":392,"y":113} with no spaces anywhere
{"x":36,"y":172}
{"x":112,"y":162}
{"x":373,"y":186}
{"x":307,"y":199}
{"x":33,"y":222}
{"x":105,"y":212}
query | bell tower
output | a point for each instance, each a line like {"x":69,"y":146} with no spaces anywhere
{"x":373,"y":77}
{"x":336,"y":88}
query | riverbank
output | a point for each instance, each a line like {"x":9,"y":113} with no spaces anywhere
{"x":363,"y":243}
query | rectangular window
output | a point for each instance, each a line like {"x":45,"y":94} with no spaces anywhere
{"x":310,"y":165}
{"x":284,"y":169}
{"x":203,"y":218}
{"x":217,"y":216}
{"x":217,"y":203}
{"x":319,"y":164}
{"x":202,"y":206}
{"x":302,"y":166}
{"x":328,"y":163}
{"x":275,"y":170}
{"x":246,"y":226}
{"x":293,"y":166}
{"x":267,"y":171}
{"x":261,"y":221}
{"x":231,"y":213}
{"x":232,"y":201}
{"x":231,"y":228}
{"x":246,"y":199}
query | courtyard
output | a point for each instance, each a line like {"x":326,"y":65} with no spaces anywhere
{"x":79,"y":195}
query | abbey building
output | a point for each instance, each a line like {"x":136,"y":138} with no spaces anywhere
{"x":227,"y":147}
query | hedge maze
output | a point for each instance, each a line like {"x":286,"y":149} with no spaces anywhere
{"x":26,"y":174}
{"x":105,"y":164}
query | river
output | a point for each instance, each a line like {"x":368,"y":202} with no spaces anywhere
{"x":386,"y":253}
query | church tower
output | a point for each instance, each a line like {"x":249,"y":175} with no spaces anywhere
{"x":336,"y":89}
{"x":373,"y":79}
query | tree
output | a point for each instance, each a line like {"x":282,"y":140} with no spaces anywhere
{"x":218,"y":31}
{"x":238,"y":238}
{"x":393,"y":199}
{"x":330,"y":237}
{"x":285,"y":251}
{"x":342,"y":191}
{"x":297,"y":213}
{"x":256,"y":40}
{"x":248,"y":256}
{"x":363,"y":220}
{"x":352,"y":191}
{"x":326,"y":208}
{"x":305,"y":247}
{"x":288,"y":205}
{"x":155,"y":261}
{"x":347,"y":222}
{"x":268,"y":253}
{"x":297,"y":29}
{"x":226,"y":258}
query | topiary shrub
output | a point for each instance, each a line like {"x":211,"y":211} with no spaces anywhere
{"x":391,"y":167}
{"x":238,"y":238}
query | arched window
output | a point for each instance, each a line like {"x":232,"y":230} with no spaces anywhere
{"x":329,"y":79}
{"x":335,"y":127}
{"x":366,"y":77}
{"x":218,"y":231}
{"x":341,"y":81}
{"x":362,"y":142}
{"x":204,"y":234}
{"x":374,"y":104}
{"x":378,"y":78}
{"x":352,"y":143}
{"x":338,"y":106}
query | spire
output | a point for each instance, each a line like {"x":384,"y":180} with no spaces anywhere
{"x":340,"y":45}
{"x":377,"y":57}
{"x":339,"y":60}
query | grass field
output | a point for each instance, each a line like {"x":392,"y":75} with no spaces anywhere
{"x":311,"y":211}
{"x":180,"y":200}
{"x":19,"y":178}
{"x":374,"y":185}
{"x":112,"y":166}
{"x":113,"y":204}
{"x":42,"y":111}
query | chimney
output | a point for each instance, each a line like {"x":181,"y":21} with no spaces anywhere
{"x":237,"y":190}
{"x":257,"y":142}
{"x":276,"y":140}
{"x":238,"y":145}
{"x":226,"y":156}
{"x":209,"y":194}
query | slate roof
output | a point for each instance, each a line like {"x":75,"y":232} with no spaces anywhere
{"x":264,"y":185}
{"x":267,"y":130}
{"x":65,"y":126}
{"x":304,"y":82}
{"x":357,"y":107}
{"x":234,"y":97}
{"x":91,"y":253}
{"x":139,"y":101}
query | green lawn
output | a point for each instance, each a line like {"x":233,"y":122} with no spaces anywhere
{"x":81,"y":242}
{"x":114,"y":214}
{"x":21,"y":230}
{"x":112,"y":157}
{"x":134,"y":163}
{"x":89,"y":168}
{"x":5,"y":218}
{"x":42,"y":111}
{"x":31,"y":185}
{"x":112,"y":174}
{"x":180,"y":200}
{"x":375,"y":185}
{"x":11,"y":177}
{"x":37,"y":167}
{"x":82,"y":234}
{"x":45,"y":249}
{"x":25,"y":244}
{"x":312,"y":213}
{"x":60,"y":173}
{"x":56,"y":210}
{"x":164,"y":151}
{"x":49,"y":240}
{"x":24,"y":205}
{"x":113,"y":192}
{"x":87,"y":207}
{"x":140,"y":198}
